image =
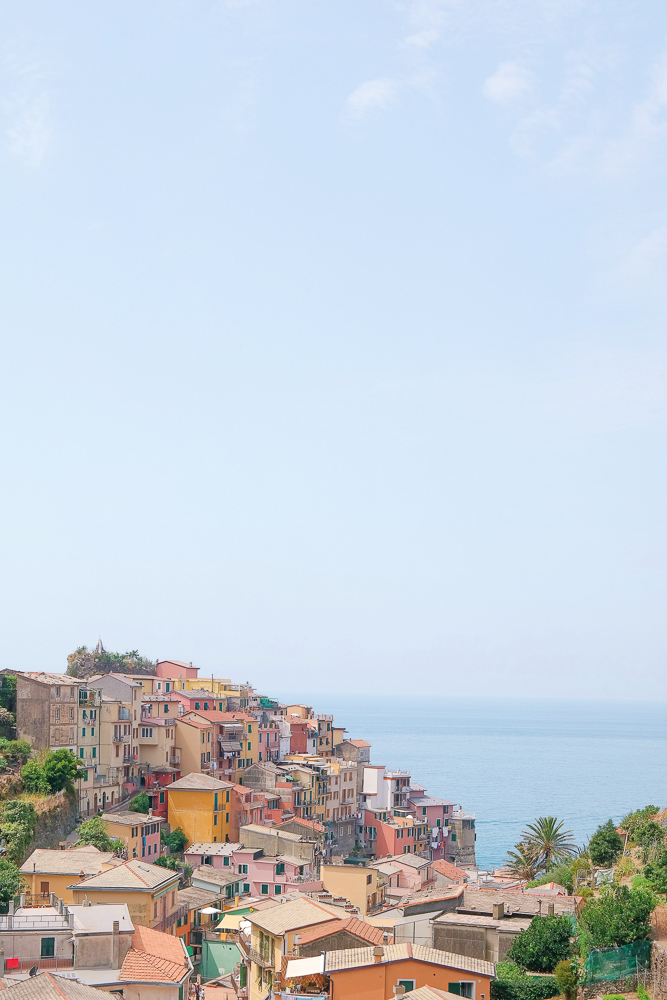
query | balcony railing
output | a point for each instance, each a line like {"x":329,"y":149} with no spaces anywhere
{"x":117,"y":738}
{"x":166,"y":922}
{"x":43,"y":964}
{"x":259,"y":959}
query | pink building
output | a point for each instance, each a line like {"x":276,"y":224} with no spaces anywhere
{"x":437,"y":813}
{"x":415,"y":873}
{"x":269,"y":742}
{"x":268,"y":875}
{"x":176,"y":668}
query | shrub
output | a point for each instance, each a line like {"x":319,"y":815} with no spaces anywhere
{"x":60,"y":770}
{"x":562,"y":874}
{"x":140,"y":804}
{"x":642,"y":992}
{"x":15,"y":751}
{"x":613,"y":996}
{"x":636,"y":818}
{"x":618,"y":916}
{"x":93,"y":831}
{"x":17,"y":825}
{"x":605,"y":845}
{"x":545,"y":943}
{"x":175,"y":841}
{"x":655,"y":873}
{"x":11,"y":882}
{"x":512,"y":983}
{"x":625,"y":867}
{"x":34,"y":778}
{"x":567,"y":978}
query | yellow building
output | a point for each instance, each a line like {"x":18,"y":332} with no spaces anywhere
{"x":47,"y":871}
{"x":149,"y":891}
{"x":272,"y":935}
{"x":237,"y":726}
{"x":195,"y":740}
{"x":136,"y":830}
{"x":200,"y":805}
{"x":313,"y":773}
{"x":365,"y":887}
{"x":302,"y":711}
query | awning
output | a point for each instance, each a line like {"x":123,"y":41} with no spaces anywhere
{"x":297,"y":967}
{"x":231,"y":746}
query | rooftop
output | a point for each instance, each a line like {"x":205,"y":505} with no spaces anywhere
{"x":44,"y":678}
{"x":213,"y":849}
{"x":130,"y":818}
{"x":76,"y":861}
{"x":515,"y":902}
{"x":133,"y":875}
{"x":358,"y":743}
{"x":451,"y":871}
{"x":195,"y":898}
{"x":359,"y":957}
{"x":268,"y":830}
{"x":359,"y":928}
{"x":289,"y":916}
{"x":47,"y":986}
{"x":218,"y":876}
{"x":154,"y":958}
{"x":198,"y":782}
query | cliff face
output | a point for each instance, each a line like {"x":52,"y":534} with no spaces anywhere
{"x":84,"y":663}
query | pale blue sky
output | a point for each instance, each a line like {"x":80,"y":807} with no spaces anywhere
{"x":333,"y":340}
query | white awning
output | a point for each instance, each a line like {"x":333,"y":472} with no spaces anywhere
{"x":304,"y":966}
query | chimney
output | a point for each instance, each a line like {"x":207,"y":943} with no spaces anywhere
{"x":378,"y":953}
{"x":399,"y":991}
{"x":115,"y":946}
{"x":150,"y":811}
{"x":86,"y":901}
{"x":498,"y":911}
{"x":550,"y":909}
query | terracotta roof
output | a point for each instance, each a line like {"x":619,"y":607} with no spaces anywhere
{"x":199,"y":782}
{"x":451,"y":871}
{"x":430,"y":993}
{"x":46,"y":986}
{"x":154,"y":958}
{"x":359,"y":928}
{"x":358,"y":743}
{"x":357,"y":958}
{"x":44,"y":678}
{"x":189,"y":720}
{"x":311,"y":824}
{"x":135,"y":875}
{"x":86,"y":859}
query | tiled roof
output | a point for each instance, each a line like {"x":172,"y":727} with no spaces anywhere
{"x":356,"y":958}
{"x":358,"y":743}
{"x":411,"y":860}
{"x":86,"y":859}
{"x":220,"y":876}
{"x":134,"y":874}
{"x":301,"y":912}
{"x":193,"y":898}
{"x":130,"y":818}
{"x":429,"y":800}
{"x":451,"y":871}
{"x":308,"y":823}
{"x":190,"y":720}
{"x":202,"y":848}
{"x":47,"y":986}
{"x":268,"y":830}
{"x":521,"y":902}
{"x":359,"y":928}
{"x":198,"y":782}
{"x":154,"y":958}
{"x":430,"y":993}
{"x":44,"y":678}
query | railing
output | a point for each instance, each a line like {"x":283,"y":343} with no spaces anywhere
{"x":259,"y":959}
{"x":120,"y":739}
{"x":43,"y":964}
{"x":166,"y":922}
{"x":33,"y":921}
{"x":100,"y":779}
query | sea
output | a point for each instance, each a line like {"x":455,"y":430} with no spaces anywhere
{"x":509,"y":761}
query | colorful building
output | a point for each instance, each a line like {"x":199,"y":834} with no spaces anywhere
{"x":200,"y":805}
{"x":149,"y":891}
{"x":139,"y":832}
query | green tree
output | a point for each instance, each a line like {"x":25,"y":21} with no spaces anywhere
{"x":647,"y":835}
{"x":567,"y":978}
{"x":512,"y":983}
{"x":8,"y":692}
{"x":618,"y":916}
{"x":93,"y":831}
{"x":521,"y":862}
{"x":636,"y":818}
{"x":605,"y":845}
{"x":545,"y":943}
{"x":175,"y":841}
{"x":60,"y":770}
{"x":140,"y":804}
{"x":562,"y":874}
{"x":34,"y":779}
{"x":18,"y":822}
{"x":655,"y":873}
{"x":547,"y":842}
{"x":11,"y":882}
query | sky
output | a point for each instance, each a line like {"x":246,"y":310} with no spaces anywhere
{"x":333,"y":341}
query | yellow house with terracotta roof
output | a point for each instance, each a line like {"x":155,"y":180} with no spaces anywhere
{"x":47,"y":871}
{"x":200,"y":805}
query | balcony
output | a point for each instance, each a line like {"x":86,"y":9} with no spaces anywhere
{"x":259,"y":959}
{"x":120,"y":739}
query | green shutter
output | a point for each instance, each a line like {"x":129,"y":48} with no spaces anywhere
{"x":454,"y":988}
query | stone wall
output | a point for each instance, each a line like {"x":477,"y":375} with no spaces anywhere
{"x":57,"y":818}
{"x":659,"y":969}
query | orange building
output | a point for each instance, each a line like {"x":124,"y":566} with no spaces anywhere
{"x":372,"y":973}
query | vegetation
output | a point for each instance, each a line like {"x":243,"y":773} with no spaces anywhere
{"x":140,"y":804}
{"x":34,"y":779}
{"x":8,"y":693}
{"x":512,"y":983}
{"x":655,"y":873}
{"x":93,"y":831}
{"x":543,"y":945}
{"x":637,"y":818}
{"x":84,"y":662}
{"x":642,"y":992}
{"x":617,"y":916}
{"x":544,"y":844}
{"x":18,"y":821}
{"x":11,"y":882}
{"x":175,"y":841}
{"x":651,"y":837}
{"x":60,"y":770}
{"x":562,"y":874}
{"x":567,"y":978}
{"x":605,"y":845}
{"x":175,"y":866}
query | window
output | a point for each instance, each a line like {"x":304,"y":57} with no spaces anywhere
{"x":57,"y":715}
{"x":462,"y":989}
{"x":161,"y":797}
{"x":407,"y":984}
{"x":453,"y":836}
{"x":215,"y":802}
{"x":243,"y":869}
{"x":57,"y":692}
{"x":260,"y":754}
{"x":85,"y":776}
{"x":146,"y":732}
{"x":265,"y":889}
{"x":196,"y":704}
{"x":246,"y":886}
{"x":227,"y":796}
{"x":215,"y":819}
{"x":260,"y":737}
{"x":44,"y":888}
{"x":225,"y":861}
{"x":208,"y":737}
{"x":166,"y":687}
{"x":95,"y":751}
{"x":277,"y":889}
{"x":92,"y":731}
{"x":249,"y":729}
{"x":166,"y":709}
{"x":202,"y":738}
{"x":48,"y":947}
{"x":135,"y":831}
{"x":280,"y":868}
{"x":71,"y":715}
{"x":206,"y":706}
{"x":83,"y":731}
{"x":81,"y":752}
{"x":423,"y":810}
{"x":220,"y":706}
{"x":369,"y":879}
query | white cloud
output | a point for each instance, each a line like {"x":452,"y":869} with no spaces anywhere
{"x":511,"y":82}
{"x":427,"y":18}
{"x":26,"y":108}
{"x":373,"y":95}
{"x":649,"y":122}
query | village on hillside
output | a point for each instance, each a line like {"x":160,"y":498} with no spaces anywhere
{"x":166,"y":834}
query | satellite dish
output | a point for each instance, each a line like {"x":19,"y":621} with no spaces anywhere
{"x":34,"y":970}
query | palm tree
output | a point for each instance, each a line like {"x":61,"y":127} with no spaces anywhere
{"x":547,"y":842}
{"x":521,"y":862}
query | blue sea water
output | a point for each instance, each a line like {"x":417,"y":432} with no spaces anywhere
{"x":509,"y":761}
